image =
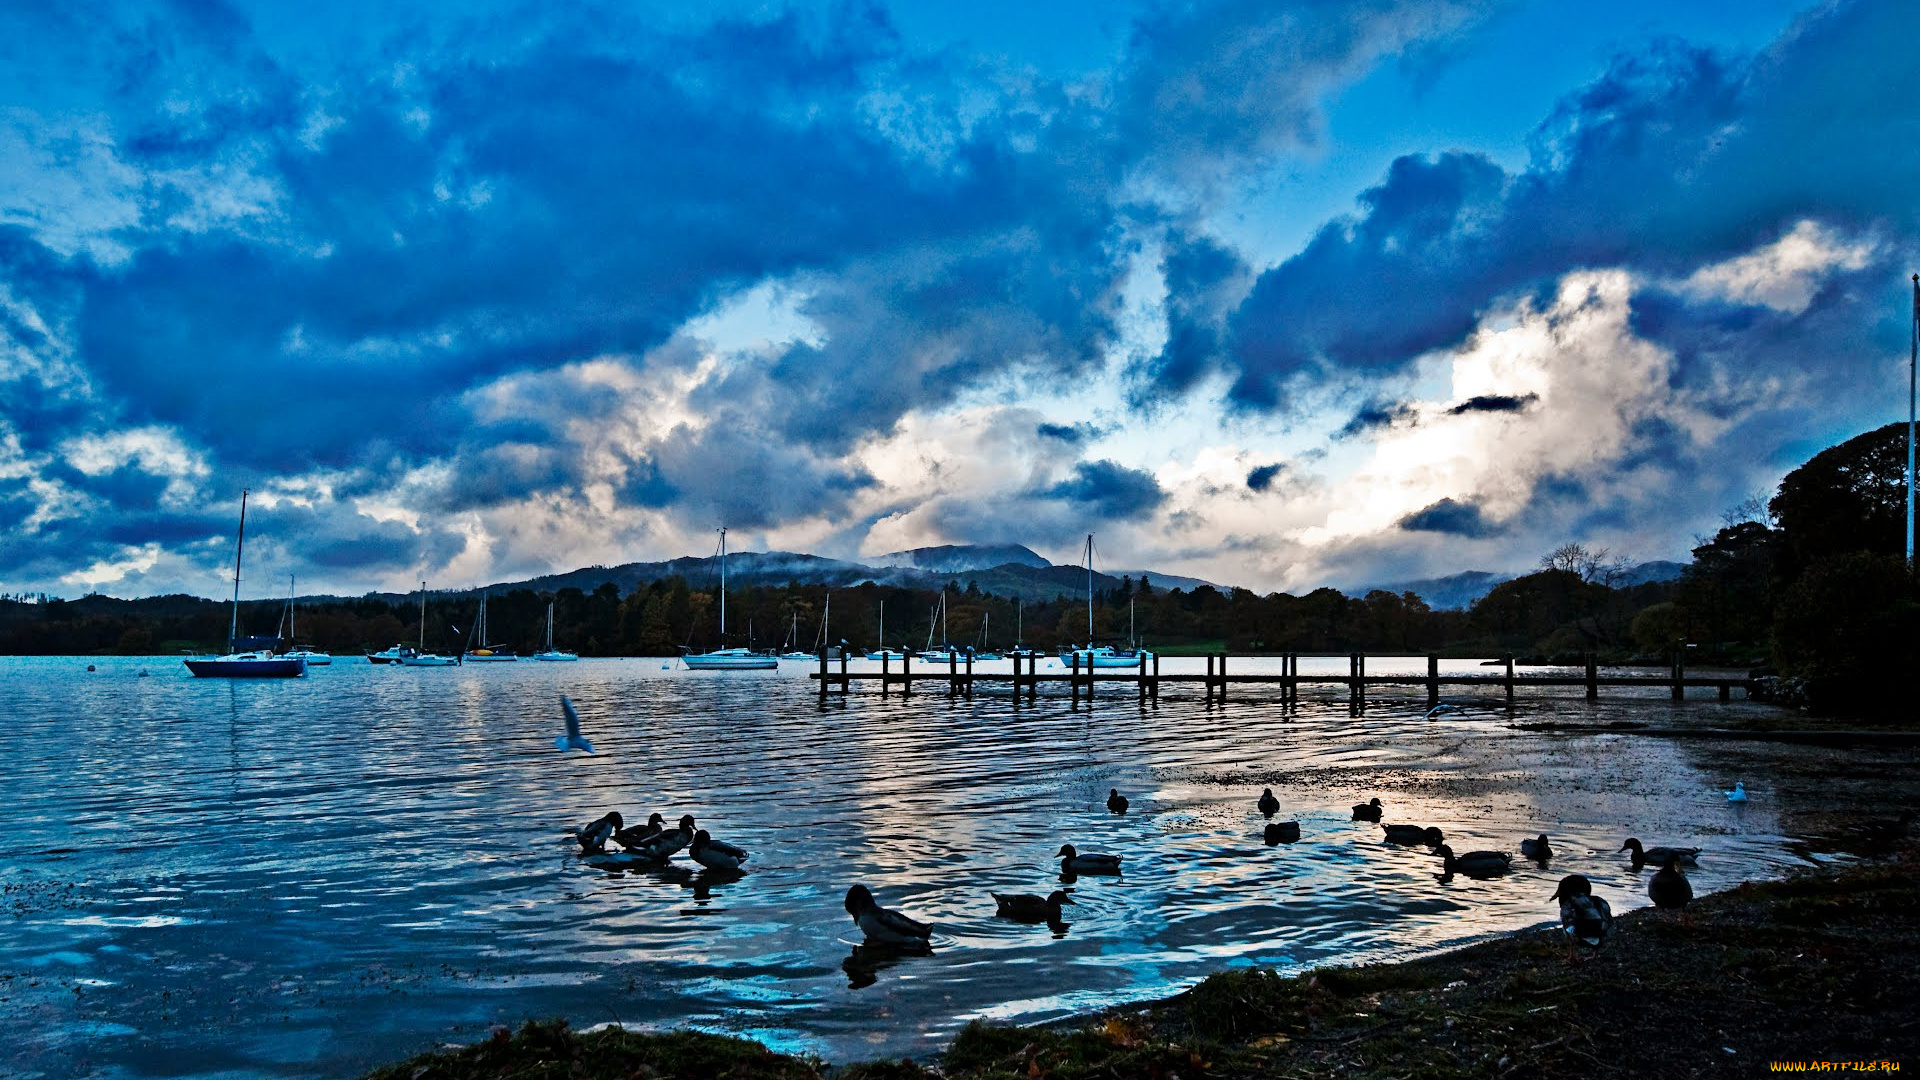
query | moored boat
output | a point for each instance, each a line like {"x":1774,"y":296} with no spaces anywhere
{"x":549,"y":653}
{"x":723,"y":659}
{"x":245,"y":658}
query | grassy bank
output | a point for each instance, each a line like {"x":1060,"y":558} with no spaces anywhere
{"x":1818,"y":967}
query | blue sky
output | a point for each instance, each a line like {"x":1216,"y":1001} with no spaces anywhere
{"x":1277,"y":294}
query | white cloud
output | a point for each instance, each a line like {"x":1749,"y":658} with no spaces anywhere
{"x":1783,"y":275}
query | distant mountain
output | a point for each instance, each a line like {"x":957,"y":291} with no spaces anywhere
{"x":955,"y":558}
{"x":1457,"y":592}
{"x":1648,"y":572}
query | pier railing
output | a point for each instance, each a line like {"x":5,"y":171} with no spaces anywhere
{"x":960,"y":678}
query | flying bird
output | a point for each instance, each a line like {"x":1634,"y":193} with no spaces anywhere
{"x":572,"y":740}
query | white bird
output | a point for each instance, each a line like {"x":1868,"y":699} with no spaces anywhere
{"x":1739,"y":792}
{"x":572,"y":740}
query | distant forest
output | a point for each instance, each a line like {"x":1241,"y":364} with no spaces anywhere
{"x":1811,"y":582}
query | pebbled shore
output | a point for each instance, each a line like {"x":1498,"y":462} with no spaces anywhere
{"x":1823,"y":966}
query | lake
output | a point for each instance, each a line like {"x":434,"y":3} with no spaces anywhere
{"x":310,"y":877}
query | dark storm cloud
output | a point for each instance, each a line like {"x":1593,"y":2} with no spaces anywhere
{"x":1373,"y":416}
{"x":1494,"y":403}
{"x":1450,"y":517}
{"x":1071,"y":434}
{"x":1109,"y":490}
{"x":1675,"y":157}
{"x":1262,"y":477}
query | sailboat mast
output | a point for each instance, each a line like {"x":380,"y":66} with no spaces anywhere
{"x":423,"y":616}
{"x":723,"y":587}
{"x":239,"y":544}
{"x":1089,"y":590}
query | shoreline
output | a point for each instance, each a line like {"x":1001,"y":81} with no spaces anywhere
{"x":1822,"y":965}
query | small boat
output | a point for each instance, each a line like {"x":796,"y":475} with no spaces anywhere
{"x":483,"y":652}
{"x":392,"y":654}
{"x":734,"y":659}
{"x":245,"y":658}
{"x":314,"y":657}
{"x":884,"y":653}
{"x":549,"y":652}
{"x":946,"y":653}
{"x":1020,"y":651}
{"x":1091,"y":656}
{"x":420,"y":657}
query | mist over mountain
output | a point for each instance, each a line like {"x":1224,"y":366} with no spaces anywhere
{"x":955,"y":558}
{"x":1457,"y":592}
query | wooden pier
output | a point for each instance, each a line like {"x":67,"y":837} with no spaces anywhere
{"x":959,"y":679}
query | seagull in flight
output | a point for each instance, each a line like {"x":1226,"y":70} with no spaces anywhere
{"x":572,"y":740}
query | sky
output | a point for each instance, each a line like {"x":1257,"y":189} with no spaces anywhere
{"x":1275,"y":293}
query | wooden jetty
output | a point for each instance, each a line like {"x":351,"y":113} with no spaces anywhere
{"x":959,"y":678}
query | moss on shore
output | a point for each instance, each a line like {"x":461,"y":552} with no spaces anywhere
{"x":1817,"y":967}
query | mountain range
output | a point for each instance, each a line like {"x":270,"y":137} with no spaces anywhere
{"x":1457,"y":592}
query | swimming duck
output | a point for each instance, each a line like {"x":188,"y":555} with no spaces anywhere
{"x":1414,"y":834}
{"x":663,"y":844}
{"x":1116,"y":802}
{"x":593,"y":836}
{"x":1658,"y":855}
{"x":1739,"y":792}
{"x":1539,"y":850}
{"x":1368,"y":811}
{"x":1584,"y":917}
{"x":1282,"y":832}
{"x":1072,"y":862}
{"x":881,"y":925}
{"x":1027,"y":908}
{"x":1269,"y":805}
{"x":714,"y":854}
{"x":1670,"y":888}
{"x":629,"y":838}
{"x":1475,"y":863}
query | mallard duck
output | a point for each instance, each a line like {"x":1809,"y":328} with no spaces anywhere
{"x":594,"y":835}
{"x":1368,"y":811}
{"x":1669,"y":888}
{"x":1658,"y":855}
{"x":663,"y":844}
{"x":1584,"y":917}
{"x":1116,"y":802}
{"x":1027,"y":908}
{"x":881,"y":925}
{"x":1282,"y":832}
{"x":714,"y":854}
{"x":1538,"y":849}
{"x":1474,"y":863}
{"x":1269,"y":805}
{"x":627,"y":838}
{"x":1414,"y":834}
{"x":1072,"y":862}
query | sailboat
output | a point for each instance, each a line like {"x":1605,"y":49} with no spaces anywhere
{"x":983,"y":651}
{"x":884,"y":653}
{"x":1019,"y":650}
{"x":549,"y":652}
{"x":314,"y":657}
{"x":1091,"y":655}
{"x":819,"y":641}
{"x":725,"y":659}
{"x":421,"y":657}
{"x":946,"y":653}
{"x":245,"y":658}
{"x":483,"y":652}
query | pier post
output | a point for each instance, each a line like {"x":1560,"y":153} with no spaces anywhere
{"x":846,"y":683}
{"x":886,"y":670}
{"x":1156,"y":676}
{"x":906,"y":673}
{"x":953,"y":673}
{"x":1680,"y":673}
{"x":1223,"y":678}
{"x":1509,"y":680}
{"x":1292,"y":672}
{"x":1593,"y":677}
{"x":1433,"y":680}
{"x":969,"y":674}
{"x":1359,"y":680}
{"x":1140,"y":671}
{"x":823,"y":674}
{"x":1073,"y":676}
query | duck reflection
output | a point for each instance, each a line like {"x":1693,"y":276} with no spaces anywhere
{"x":865,"y":963}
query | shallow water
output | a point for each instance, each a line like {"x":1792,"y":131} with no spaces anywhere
{"x":311,"y":877}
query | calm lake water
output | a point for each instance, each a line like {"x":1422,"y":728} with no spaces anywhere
{"x":311,"y":877}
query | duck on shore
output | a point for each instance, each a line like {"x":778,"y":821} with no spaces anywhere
{"x":883,"y":926}
{"x":1028,"y":908}
{"x":1475,"y":864}
{"x":1669,"y":889}
{"x":1369,"y":810}
{"x":1658,"y":855}
{"x":1073,"y":862}
{"x":1584,"y":917}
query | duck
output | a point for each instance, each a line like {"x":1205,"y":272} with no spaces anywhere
{"x":1475,"y":863}
{"x":1584,"y":917}
{"x":1269,"y":805}
{"x":1116,"y":802}
{"x":884,"y":926}
{"x":1538,"y":849}
{"x":1414,"y":834}
{"x":594,"y":835}
{"x":629,"y":838}
{"x":1739,"y":792}
{"x":1658,"y":855}
{"x":663,"y":844}
{"x":1669,"y":889}
{"x":1282,"y":832}
{"x":1072,"y":862}
{"x":1027,"y":908}
{"x":714,"y":854}
{"x":1368,"y":811}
